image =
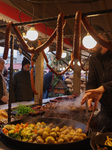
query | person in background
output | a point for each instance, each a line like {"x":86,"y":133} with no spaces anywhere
{"x":67,"y":75}
{"x":99,"y":85}
{"x":5,"y":74}
{"x":8,"y":77}
{"x":4,"y":95}
{"x":47,"y":84}
{"x":22,"y":90}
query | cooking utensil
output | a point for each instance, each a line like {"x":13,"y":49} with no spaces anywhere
{"x":56,"y":121}
{"x":100,"y":140}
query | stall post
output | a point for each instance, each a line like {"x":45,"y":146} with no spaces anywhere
{"x":39,"y":70}
{"x":76,"y":78}
{"x":11,"y":75}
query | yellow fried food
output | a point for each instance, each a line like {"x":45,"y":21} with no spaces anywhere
{"x":108,"y":142}
{"x":40,"y":132}
{"x":60,"y":140}
{"x":57,"y":129}
{"x":50,"y":140}
{"x":66,"y":131}
{"x":45,"y":134}
{"x":79,"y":130}
{"x":30,"y":140}
{"x":53,"y":134}
{"x":83,"y":135}
{"x":64,"y":128}
{"x":66,"y":139}
{"x":38,"y":137}
{"x":47,"y":129}
{"x":58,"y":133}
{"x":53,"y":130}
{"x":40,"y":141}
{"x":77,"y":138}
{"x":62,"y":136}
{"x":34,"y":136}
{"x":70,"y":137}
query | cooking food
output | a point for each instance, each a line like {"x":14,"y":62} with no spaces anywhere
{"x":77,"y":35}
{"x":24,"y":110}
{"x":3,"y":117}
{"x":59,"y":36}
{"x":42,"y":133}
{"x":108,"y":142}
{"x":7,"y":39}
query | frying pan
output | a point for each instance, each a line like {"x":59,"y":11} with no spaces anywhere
{"x":56,"y":121}
{"x":100,"y":140}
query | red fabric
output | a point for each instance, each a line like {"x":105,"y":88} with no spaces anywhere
{"x":14,"y":14}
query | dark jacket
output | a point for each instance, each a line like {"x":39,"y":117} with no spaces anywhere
{"x":100,"y":73}
{"x":22,"y":86}
{"x":1,"y":90}
{"x":47,"y":81}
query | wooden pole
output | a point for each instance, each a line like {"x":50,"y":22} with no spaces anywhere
{"x":39,"y":70}
{"x":11,"y":75}
{"x":86,"y":101}
{"x":76,"y":78}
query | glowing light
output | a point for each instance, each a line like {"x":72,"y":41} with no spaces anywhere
{"x":32,"y":34}
{"x":89,"y":42}
{"x":63,"y":55}
{"x":46,"y":50}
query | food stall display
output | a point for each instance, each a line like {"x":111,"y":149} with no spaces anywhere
{"x":44,"y":132}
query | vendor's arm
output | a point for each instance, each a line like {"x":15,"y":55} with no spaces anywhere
{"x":107,"y":86}
{"x":92,"y":76}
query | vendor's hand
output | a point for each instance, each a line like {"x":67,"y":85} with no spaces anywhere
{"x":93,"y":95}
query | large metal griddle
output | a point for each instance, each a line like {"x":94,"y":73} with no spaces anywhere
{"x":56,"y":121}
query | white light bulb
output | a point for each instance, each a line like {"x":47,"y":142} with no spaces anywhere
{"x":63,"y":55}
{"x":46,"y":49}
{"x":78,"y":63}
{"x":32,"y":34}
{"x":89,"y":42}
{"x":73,"y":62}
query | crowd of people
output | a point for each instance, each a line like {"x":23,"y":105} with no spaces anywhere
{"x":22,"y":90}
{"x":21,"y":82}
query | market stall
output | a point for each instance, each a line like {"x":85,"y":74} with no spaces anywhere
{"x":61,"y":111}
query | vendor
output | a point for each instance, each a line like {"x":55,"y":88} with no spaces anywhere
{"x":4,"y":96}
{"x":99,"y":85}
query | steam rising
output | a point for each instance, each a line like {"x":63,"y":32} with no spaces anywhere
{"x":70,"y":104}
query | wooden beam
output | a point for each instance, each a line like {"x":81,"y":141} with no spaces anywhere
{"x":39,"y":69}
{"x":76,"y":78}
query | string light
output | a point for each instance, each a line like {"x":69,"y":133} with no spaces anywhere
{"x":32,"y":34}
{"x":46,"y":49}
{"x":89,"y":42}
{"x":63,"y":54}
